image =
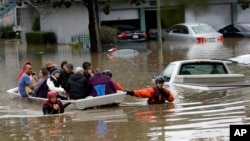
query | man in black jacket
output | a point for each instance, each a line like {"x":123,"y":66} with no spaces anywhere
{"x":65,"y":74}
{"x":78,"y":85}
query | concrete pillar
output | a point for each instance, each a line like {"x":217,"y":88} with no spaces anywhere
{"x":234,"y":13}
{"x":142,"y":19}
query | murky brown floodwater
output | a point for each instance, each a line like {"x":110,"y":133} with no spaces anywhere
{"x":202,"y":116}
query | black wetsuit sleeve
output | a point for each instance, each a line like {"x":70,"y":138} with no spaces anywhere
{"x":46,"y":109}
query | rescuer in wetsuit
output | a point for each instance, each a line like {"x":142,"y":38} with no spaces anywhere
{"x":155,"y":95}
{"x":53,"y":105}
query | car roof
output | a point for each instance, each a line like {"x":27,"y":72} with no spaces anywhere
{"x":243,"y":23}
{"x":199,"y":60}
{"x":191,"y":24}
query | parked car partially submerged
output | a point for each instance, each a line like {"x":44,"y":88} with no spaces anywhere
{"x":236,"y":30}
{"x":202,"y":75}
{"x":194,"y":32}
{"x":130,"y":33}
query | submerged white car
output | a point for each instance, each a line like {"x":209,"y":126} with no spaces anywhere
{"x":202,"y":75}
{"x":195,"y":32}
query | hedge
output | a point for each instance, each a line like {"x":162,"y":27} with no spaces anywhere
{"x":41,"y":37}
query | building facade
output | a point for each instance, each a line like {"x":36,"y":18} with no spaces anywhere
{"x":68,"y":22}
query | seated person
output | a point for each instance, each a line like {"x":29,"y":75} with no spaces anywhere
{"x":50,"y":65}
{"x":78,"y":85}
{"x":117,"y":84}
{"x":88,"y":72}
{"x":63,"y":64}
{"x":41,"y":88}
{"x":26,"y":84}
{"x":65,"y":74}
{"x":23,"y":70}
{"x":101,"y":84}
{"x":53,"y":83}
{"x":87,"y":69}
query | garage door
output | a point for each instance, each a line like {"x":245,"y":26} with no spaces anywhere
{"x":120,"y":15}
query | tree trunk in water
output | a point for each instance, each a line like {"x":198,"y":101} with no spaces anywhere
{"x":95,"y":43}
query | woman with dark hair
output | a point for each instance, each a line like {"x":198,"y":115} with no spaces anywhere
{"x":41,"y":88}
{"x":63,"y":64}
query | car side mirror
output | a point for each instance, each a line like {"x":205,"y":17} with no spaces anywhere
{"x":166,"y":78}
{"x":156,"y":75}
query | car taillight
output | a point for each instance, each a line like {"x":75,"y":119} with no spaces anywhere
{"x":152,"y":31}
{"x":221,"y":38}
{"x":122,"y":35}
{"x":201,"y":40}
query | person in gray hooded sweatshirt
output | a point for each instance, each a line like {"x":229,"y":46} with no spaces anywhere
{"x":77,"y":85}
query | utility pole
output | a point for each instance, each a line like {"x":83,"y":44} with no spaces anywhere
{"x":158,"y":15}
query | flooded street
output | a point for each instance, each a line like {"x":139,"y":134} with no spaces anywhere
{"x":203,"y":116}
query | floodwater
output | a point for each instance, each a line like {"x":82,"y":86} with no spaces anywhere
{"x":203,"y":116}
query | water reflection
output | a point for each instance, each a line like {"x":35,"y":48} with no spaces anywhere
{"x":36,"y":128}
{"x":209,"y":50}
{"x":238,"y":46}
{"x":155,"y":113}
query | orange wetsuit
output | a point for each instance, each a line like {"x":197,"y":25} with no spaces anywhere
{"x":155,"y":95}
{"x":118,"y":86}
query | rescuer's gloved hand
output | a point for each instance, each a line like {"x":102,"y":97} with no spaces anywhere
{"x":130,"y":93}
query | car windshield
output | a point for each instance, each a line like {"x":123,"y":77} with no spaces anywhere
{"x":246,"y":27}
{"x":202,"y":68}
{"x":203,"y":29}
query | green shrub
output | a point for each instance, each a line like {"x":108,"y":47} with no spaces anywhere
{"x":40,"y":37}
{"x":36,"y":24}
{"x":108,"y":35}
{"x":6,"y":32}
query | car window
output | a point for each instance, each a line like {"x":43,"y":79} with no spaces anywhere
{"x":179,"y":29}
{"x":203,"y":68}
{"x":183,"y":30}
{"x":168,"y":72}
{"x":231,"y":29}
{"x":203,"y":29}
{"x":245,"y":27}
{"x":174,"y":29}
